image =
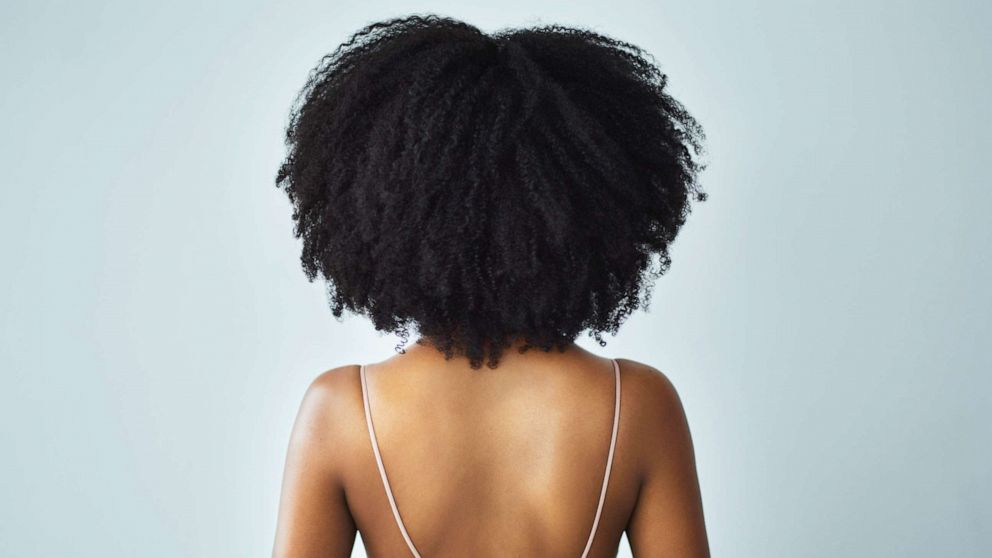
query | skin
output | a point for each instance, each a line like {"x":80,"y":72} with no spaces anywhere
{"x":504,"y":462}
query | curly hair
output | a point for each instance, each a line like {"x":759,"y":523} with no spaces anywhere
{"x":486,"y":188}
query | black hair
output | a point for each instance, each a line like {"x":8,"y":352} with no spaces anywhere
{"x":486,"y":188}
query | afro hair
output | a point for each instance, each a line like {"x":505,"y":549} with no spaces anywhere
{"x":486,"y":188}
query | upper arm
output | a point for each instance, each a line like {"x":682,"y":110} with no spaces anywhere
{"x":667,"y":519}
{"x":314,"y":519}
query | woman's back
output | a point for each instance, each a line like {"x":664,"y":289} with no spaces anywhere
{"x":504,"y":462}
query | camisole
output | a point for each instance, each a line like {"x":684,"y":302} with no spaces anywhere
{"x":392,"y":501}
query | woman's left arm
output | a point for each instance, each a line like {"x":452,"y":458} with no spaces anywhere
{"x":314,"y":519}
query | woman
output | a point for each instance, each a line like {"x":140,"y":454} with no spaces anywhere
{"x":501,"y":193}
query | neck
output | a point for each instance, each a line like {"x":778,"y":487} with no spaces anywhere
{"x":426,"y":349}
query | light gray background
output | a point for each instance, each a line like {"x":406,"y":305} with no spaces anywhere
{"x":826,"y":319}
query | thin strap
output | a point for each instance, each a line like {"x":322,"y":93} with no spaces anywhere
{"x":609,"y":460}
{"x":382,"y":469}
{"x":389,"y":491}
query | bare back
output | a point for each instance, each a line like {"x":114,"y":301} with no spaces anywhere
{"x":504,"y":462}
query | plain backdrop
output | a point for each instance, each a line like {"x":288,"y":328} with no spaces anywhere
{"x":826,"y":318}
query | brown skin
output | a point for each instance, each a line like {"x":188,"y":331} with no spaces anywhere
{"x":504,"y":462}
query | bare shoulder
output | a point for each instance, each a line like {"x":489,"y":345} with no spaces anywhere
{"x":668,"y":517}
{"x":649,"y":391}
{"x":314,"y":519}
{"x":334,"y":393}
{"x":654,"y":412}
{"x":330,"y":414}
{"x":336,"y":386}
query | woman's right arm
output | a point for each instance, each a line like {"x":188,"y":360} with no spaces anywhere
{"x":668,"y":517}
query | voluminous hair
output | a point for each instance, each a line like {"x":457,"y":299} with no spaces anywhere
{"x":488,"y":187}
